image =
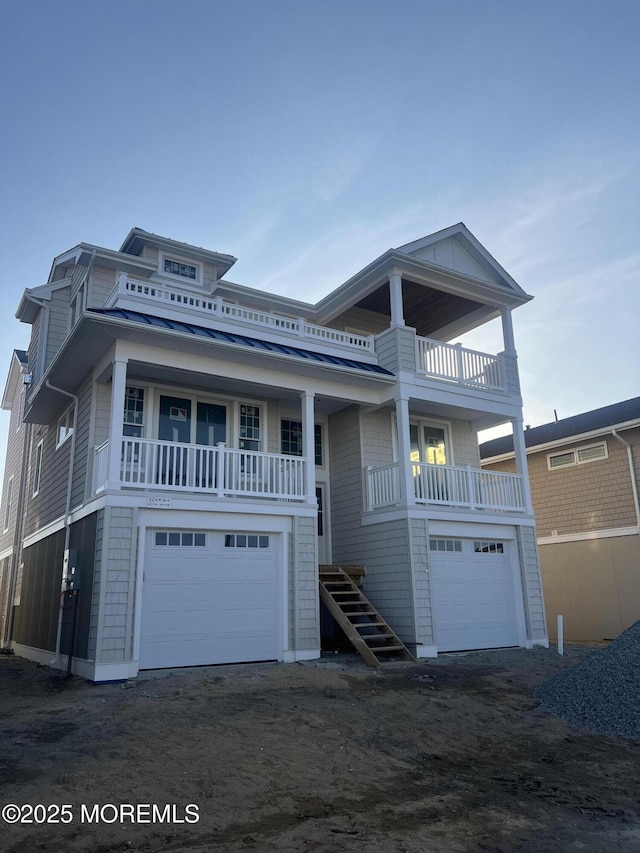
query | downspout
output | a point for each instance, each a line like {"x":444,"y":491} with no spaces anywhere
{"x":632,"y":471}
{"x":67,"y":512}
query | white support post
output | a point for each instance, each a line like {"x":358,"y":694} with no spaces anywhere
{"x":308,"y":444}
{"x":407,"y":488}
{"x":520,"y":451}
{"x":507,"y":332}
{"x":220,"y":468}
{"x":118,"y":384}
{"x":471,"y":497}
{"x":395,"y":297}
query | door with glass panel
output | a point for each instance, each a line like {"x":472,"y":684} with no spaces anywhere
{"x":428,"y":453}
{"x":211,"y":429}
{"x":174,"y":425}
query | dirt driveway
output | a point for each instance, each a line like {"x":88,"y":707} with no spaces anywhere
{"x":442,"y":756}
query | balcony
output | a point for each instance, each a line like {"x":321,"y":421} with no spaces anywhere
{"x":455,"y":364}
{"x":219,"y":471}
{"x":133,"y":293}
{"x":447,"y":485}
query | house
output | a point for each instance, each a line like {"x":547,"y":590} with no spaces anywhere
{"x":585,"y":474}
{"x":185,"y":451}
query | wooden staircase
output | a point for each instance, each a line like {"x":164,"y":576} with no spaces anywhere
{"x":358,"y":618}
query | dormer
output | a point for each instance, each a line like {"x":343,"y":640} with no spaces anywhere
{"x":178,"y":264}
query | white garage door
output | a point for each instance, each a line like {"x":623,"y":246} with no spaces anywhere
{"x":474,"y":600}
{"x":209,"y":597}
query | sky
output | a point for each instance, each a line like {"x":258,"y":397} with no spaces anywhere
{"x":307,"y":137}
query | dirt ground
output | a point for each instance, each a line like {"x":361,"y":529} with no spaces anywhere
{"x":450,"y":756}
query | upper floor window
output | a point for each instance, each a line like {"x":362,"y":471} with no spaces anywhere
{"x":249,"y":427}
{"x":133,"y":411}
{"x":37,"y":468}
{"x":291,"y":439}
{"x":65,"y":427}
{"x":591,"y":453}
{"x":177,"y":268}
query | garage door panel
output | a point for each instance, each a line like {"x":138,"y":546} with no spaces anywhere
{"x":211,"y":606}
{"x":473,"y":595}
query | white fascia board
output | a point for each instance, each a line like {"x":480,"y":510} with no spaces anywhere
{"x":570,"y":439}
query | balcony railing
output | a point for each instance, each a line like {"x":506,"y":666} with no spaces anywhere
{"x":447,"y":485}
{"x":222,"y":471}
{"x":454,"y":363}
{"x":215,"y":306}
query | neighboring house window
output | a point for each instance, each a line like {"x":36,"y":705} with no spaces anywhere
{"x":37,"y":468}
{"x":65,"y":427}
{"x":7,"y":506}
{"x":591,"y":453}
{"x":291,"y":439}
{"x":133,"y":411}
{"x":183,"y":270}
{"x":242,"y":540}
{"x":249,"y":427}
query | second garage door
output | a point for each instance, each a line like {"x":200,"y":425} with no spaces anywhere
{"x":209,"y":597}
{"x":473,"y":594}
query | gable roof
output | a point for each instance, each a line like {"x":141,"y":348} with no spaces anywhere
{"x":626,"y":413}
{"x":17,"y":367}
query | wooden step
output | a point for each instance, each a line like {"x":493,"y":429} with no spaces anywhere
{"x":337,"y":591}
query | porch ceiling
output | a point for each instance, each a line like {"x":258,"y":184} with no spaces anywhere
{"x":426,"y":309}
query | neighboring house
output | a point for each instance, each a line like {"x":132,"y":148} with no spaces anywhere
{"x":193,"y":449}
{"x":585,"y":474}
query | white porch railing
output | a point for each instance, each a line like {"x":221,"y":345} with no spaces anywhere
{"x":215,"y":306}
{"x":171,"y":466}
{"x":454,"y":363}
{"x":447,"y":485}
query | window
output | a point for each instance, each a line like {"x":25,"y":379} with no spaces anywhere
{"x":7,"y":506}
{"x":488,"y":547}
{"x":445,"y":545}
{"x":591,"y":453}
{"x":245,"y":540}
{"x":180,"y":539}
{"x":291,"y":439}
{"x":178,"y":268}
{"x":65,"y":427}
{"x":249,"y":428}
{"x":37,"y":468}
{"x":133,"y":411}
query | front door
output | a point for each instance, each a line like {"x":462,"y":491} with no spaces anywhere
{"x":428,"y":445}
{"x":323,"y":537}
{"x":175,"y":426}
{"x":211,"y":429}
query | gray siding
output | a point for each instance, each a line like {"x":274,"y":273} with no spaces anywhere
{"x":95,"y":591}
{"x":49,"y":504}
{"x":531,"y":584}
{"x":114,"y":640}
{"x":396,"y":349}
{"x":376,"y":437}
{"x":304,"y":621}
{"x":102,"y":413}
{"x":102,"y":282}
{"x":13,"y":468}
{"x":465,"y":444}
{"x":34,"y":348}
{"x":81,"y":462}
{"x":58,"y":323}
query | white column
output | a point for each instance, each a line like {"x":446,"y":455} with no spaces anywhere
{"x":395,"y":297}
{"x":507,"y":332}
{"x":407,"y":492}
{"x":520,"y":451}
{"x":308,"y":444}
{"x":118,"y":383}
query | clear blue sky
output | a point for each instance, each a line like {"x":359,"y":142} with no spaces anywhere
{"x":306,"y":137}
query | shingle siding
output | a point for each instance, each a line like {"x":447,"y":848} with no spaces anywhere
{"x":102,"y":283}
{"x":58,"y":326}
{"x":303,"y":585}
{"x":114,"y":641}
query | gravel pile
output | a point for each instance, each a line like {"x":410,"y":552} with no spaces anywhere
{"x":602,"y":693}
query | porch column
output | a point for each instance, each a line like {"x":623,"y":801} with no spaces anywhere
{"x":308,"y":444}
{"x":507,"y":332}
{"x":520,"y":451}
{"x":118,"y":383}
{"x":405,"y":474}
{"x":395,"y":297}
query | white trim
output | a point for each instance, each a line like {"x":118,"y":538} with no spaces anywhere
{"x":6,"y":553}
{"x":588,"y":535}
{"x":433,"y":515}
{"x":58,"y":524}
{"x":426,"y":651}
{"x":68,"y":428}
{"x":8,"y":497}
{"x":295,"y":655}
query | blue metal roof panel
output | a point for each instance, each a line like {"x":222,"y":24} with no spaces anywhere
{"x":242,"y":340}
